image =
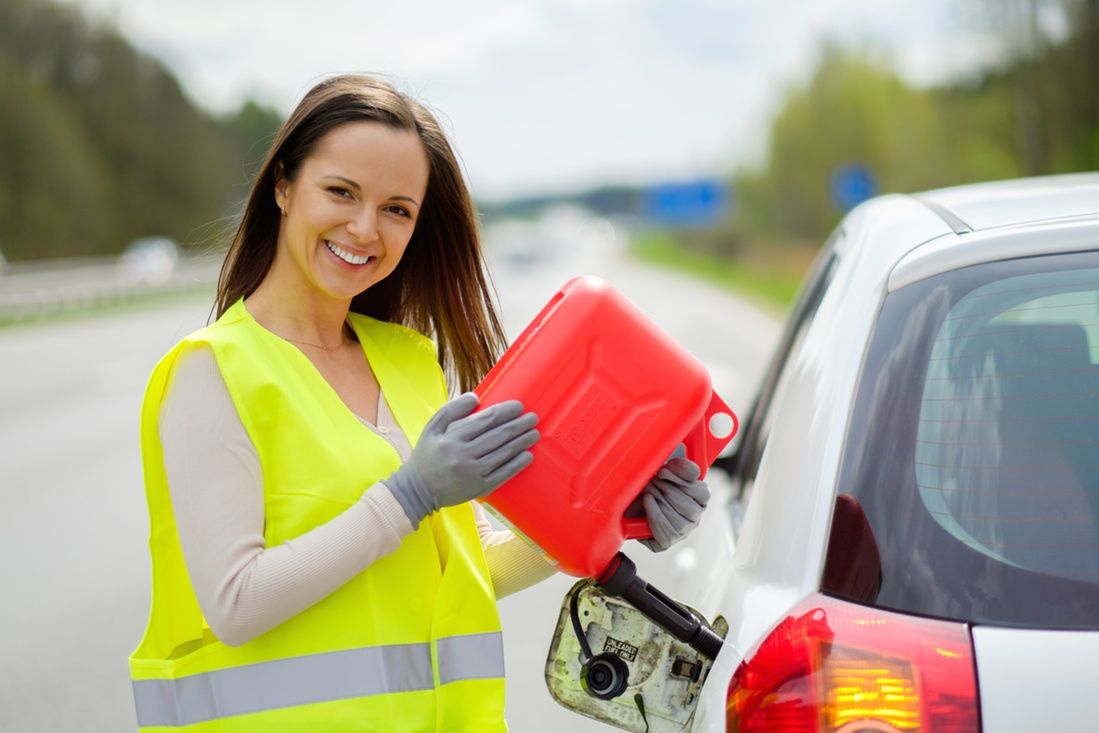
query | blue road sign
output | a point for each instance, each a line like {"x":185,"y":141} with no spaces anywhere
{"x":698,"y":203}
{"x":851,"y":185}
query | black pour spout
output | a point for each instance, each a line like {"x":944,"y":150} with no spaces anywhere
{"x":620,"y":579}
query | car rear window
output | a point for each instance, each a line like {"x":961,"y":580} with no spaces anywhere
{"x":973,"y":451}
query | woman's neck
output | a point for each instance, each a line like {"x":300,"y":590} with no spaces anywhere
{"x":311,"y":320}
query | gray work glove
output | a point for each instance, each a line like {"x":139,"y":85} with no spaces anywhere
{"x":672,"y":501}
{"x":460,"y":456}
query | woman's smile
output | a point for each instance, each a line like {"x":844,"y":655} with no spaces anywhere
{"x":347,"y":257}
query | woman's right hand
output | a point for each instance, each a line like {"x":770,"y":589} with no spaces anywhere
{"x":462,"y":456}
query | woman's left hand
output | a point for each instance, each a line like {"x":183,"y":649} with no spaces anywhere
{"x":673,"y":501}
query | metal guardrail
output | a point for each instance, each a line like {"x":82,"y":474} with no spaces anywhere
{"x":33,"y":290}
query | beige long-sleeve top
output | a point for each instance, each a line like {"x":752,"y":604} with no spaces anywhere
{"x":244,"y":587}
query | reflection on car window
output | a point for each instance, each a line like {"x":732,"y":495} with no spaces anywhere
{"x":1005,"y":453}
{"x":973,"y":445}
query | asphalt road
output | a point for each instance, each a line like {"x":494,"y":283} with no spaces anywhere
{"x":74,"y":567}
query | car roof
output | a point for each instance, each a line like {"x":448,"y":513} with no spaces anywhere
{"x":1020,"y":201}
{"x":1001,"y":220}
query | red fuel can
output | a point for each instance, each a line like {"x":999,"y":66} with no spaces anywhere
{"x":615,"y":395}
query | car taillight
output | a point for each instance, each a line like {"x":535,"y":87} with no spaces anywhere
{"x":837,"y":667}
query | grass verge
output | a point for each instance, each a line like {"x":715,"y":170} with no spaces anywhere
{"x":772,"y":281}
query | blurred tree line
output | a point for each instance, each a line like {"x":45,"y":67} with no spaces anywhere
{"x":99,"y":144}
{"x":1037,"y":113}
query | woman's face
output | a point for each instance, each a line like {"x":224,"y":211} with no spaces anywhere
{"x":350,"y":210}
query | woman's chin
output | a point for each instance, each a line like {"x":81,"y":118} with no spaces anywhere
{"x":344,"y":289}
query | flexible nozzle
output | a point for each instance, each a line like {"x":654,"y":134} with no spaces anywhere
{"x":620,"y":579}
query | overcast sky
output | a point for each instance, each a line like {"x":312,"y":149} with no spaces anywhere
{"x":545,"y":95}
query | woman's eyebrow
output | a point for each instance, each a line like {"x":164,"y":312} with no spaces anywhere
{"x":348,"y":181}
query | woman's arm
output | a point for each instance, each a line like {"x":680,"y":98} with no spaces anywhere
{"x":513,"y":564}
{"x":243,"y":587}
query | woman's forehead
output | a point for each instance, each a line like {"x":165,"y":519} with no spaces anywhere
{"x":366,"y":152}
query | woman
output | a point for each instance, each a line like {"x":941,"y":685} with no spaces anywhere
{"x":318,"y":563}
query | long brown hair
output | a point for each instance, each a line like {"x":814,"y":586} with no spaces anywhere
{"x":440,"y":287}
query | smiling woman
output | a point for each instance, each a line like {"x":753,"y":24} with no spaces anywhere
{"x":318,"y":560}
{"x":287,"y":503}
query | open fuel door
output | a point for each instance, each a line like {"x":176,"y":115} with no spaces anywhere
{"x":610,"y":662}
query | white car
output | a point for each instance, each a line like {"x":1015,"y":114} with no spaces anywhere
{"x":149,"y":260}
{"x":915,"y":541}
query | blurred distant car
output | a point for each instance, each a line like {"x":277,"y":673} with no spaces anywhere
{"x":519,"y":243}
{"x":522,"y":243}
{"x":916,"y":527}
{"x":149,"y":260}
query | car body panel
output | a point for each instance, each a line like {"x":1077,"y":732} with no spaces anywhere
{"x":1034,"y":680}
{"x":795,"y":461}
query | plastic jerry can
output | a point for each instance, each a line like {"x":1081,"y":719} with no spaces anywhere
{"x":615,"y":396}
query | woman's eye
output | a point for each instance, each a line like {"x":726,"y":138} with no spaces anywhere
{"x":339,"y":191}
{"x":401,"y":211}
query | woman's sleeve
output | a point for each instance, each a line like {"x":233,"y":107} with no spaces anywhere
{"x":513,"y":563}
{"x":243,"y":587}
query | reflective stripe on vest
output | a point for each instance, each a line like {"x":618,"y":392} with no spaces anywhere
{"x":315,"y":678}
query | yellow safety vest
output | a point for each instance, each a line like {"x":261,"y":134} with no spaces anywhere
{"x":412,"y":643}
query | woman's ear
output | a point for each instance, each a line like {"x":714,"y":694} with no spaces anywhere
{"x":282,"y":188}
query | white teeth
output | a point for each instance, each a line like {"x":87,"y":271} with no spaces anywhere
{"x":347,"y":256}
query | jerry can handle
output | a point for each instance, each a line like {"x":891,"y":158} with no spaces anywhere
{"x":636,"y":528}
{"x":703,"y":445}
{"x":712,"y":433}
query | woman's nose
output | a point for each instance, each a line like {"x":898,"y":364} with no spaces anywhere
{"x":364,"y":226}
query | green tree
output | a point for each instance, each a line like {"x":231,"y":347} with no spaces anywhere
{"x":51,"y":200}
{"x":101,"y":145}
{"x":1051,"y":80}
{"x":854,"y":110}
